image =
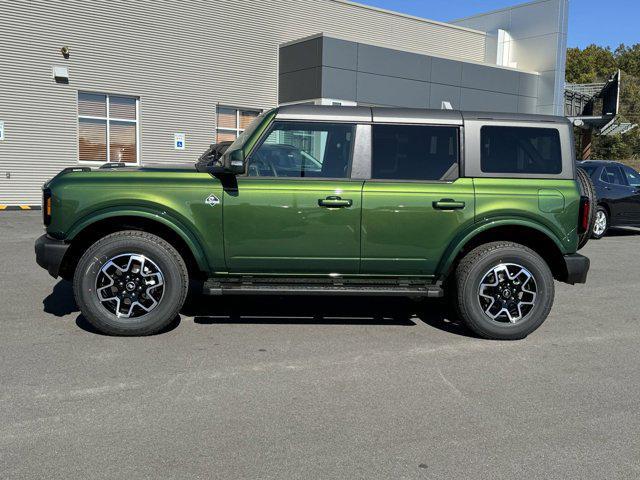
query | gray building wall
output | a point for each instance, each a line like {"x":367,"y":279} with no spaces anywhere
{"x":330,"y":68}
{"x":180,"y":58}
{"x":539,"y":33}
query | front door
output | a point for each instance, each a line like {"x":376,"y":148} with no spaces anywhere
{"x":414,"y":203}
{"x":633,"y":179}
{"x":296,"y":211}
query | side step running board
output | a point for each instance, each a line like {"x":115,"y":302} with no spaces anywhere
{"x":431,"y":291}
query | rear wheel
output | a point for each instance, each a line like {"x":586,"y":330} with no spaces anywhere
{"x":601,"y":224}
{"x":130,"y":283}
{"x":504,"y":290}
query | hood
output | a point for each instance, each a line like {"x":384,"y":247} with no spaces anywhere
{"x":149,"y":167}
{"x":121,"y":167}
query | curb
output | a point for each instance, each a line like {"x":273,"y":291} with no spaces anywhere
{"x":20,"y":207}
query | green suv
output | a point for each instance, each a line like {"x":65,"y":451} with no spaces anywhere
{"x":483,"y":208}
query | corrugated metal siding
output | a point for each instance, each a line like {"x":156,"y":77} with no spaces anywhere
{"x":180,"y":58}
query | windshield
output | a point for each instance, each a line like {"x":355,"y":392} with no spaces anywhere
{"x":242,"y":138}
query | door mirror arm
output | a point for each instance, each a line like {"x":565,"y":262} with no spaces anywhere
{"x":234,"y":162}
{"x":230,"y":163}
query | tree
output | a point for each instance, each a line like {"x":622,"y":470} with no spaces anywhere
{"x":595,"y":64}
{"x":628,"y":59}
{"x":590,"y":65}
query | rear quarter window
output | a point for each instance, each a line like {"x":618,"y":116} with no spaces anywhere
{"x":520,"y":150}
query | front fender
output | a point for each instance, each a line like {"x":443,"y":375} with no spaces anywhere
{"x":465,"y":237}
{"x":166,"y":218}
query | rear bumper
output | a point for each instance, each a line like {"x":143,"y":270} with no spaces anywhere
{"x":577,"y":268}
{"x":49,"y":254}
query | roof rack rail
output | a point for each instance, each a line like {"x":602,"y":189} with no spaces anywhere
{"x":75,"y":169}
{"x":113,"y":165}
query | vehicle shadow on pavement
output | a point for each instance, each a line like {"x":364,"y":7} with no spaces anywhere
{"x":83,"y":324}
{"x":622,"y":232}
{"x":323,"y":311}
{"x":60,"y":301}
{"x":296,"y":310}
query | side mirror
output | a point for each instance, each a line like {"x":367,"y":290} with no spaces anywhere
{"x":234,"y":162}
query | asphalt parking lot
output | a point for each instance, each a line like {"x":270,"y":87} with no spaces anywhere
{"x":318,"y":388}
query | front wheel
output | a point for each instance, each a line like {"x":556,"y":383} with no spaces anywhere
{"x":601,"y":225}
{"x":130,"y":283}
{"x":504,"y":290}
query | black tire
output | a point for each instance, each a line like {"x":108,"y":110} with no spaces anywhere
{"x":474,"y":267}
{"x":596,"y":231}
{"x":588,"y":190}
{"x":162,"y":255}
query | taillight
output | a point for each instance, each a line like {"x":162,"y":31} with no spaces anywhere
{"x":585,"y":214}
{"x":46,"y":206}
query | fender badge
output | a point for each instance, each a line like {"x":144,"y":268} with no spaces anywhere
{"x":212,"y":200}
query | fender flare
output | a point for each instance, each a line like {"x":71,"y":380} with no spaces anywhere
{"x":166,"y":219}
{"x":459,"y":242}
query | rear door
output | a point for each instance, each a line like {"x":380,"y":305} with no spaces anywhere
{"x":415,"y":202}
{"x":619,"y":193}
{"x":296,"y":210}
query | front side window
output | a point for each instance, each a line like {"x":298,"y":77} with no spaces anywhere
{"x":231,"y":122}
{"x":414,"y":152}
{"x":107,"y":128}
{"x":520,"y":150}
{"x":297,"y":149}
{"x":612,"y":175}
{"x":632,"y":176}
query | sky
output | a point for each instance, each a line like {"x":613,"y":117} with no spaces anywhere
{"x":605,"y":23}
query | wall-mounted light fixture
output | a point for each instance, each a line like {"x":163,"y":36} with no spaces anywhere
{"x":61,"y":74}
{"x":65,"y":51}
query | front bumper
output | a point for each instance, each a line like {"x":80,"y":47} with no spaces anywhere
{"x":577,"y":268}
{"x":49,"y":254}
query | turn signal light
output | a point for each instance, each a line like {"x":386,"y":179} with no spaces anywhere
{"x":46,"y":207}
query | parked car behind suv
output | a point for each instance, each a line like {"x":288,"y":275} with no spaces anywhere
{"x":618,"y":192}
{"x":484,"y":208}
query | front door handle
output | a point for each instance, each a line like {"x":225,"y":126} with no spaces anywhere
{"x":448,"y":204}
{"x":333,"y":201}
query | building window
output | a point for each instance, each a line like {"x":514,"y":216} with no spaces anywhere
{"x":232,"y":122}
{"x":107,"y":128}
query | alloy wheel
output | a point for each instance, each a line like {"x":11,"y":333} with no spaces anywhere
{"x":507,"y":293}
{"x":600,"y":224}
{"x":130,"y":285}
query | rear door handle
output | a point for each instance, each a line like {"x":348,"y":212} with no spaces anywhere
{"x":448,"y":204}
{"x":333,"y":201}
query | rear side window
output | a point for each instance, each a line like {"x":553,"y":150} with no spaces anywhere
{"x":414,"y":152}
{"x":524,"y":150}
{"x":613,"y":175}
{"x":297,"y":149}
